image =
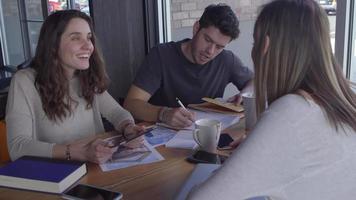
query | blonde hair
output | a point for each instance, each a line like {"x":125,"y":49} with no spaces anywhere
{"x":299,"y":56}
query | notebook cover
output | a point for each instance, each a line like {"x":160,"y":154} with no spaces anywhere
{"x":41,"y":174}
{"x":210,"y":107}
{"x":38,"y":168}
{"x":231,"y":106}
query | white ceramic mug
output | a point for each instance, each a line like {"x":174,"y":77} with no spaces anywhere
{"x":249,"y":102}
{"x":207,"y":133}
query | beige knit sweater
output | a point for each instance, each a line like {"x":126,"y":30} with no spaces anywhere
{"x":30,"y":132}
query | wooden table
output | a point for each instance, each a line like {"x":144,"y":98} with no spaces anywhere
{"x":160,"y":180}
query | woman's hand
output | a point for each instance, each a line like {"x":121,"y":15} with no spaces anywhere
{"x":131,"y":131}
{"x":91,"y":149}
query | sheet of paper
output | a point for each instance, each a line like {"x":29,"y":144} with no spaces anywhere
{"x":152,"y":156}
{"x":225,"y":119}
{"x":183,"y":139}
{"x":159,"y":136}
{"x":221,"y":100}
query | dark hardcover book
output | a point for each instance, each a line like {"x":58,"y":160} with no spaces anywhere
{"x":41,"y":174}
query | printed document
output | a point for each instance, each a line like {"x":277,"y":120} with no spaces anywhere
{"x":159,"y":136}
{"x":128,"y":156}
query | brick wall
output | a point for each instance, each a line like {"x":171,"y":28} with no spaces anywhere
{"x":185,"y":12}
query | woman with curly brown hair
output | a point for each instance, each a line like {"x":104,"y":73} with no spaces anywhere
{"x":54,"y":107}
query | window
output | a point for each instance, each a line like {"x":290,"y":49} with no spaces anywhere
{"x":20,"y":23}
{"x":352,"y":54}
{"x":82,"y":5}
{"x":330,"y":7}
{"x":10,"y":33}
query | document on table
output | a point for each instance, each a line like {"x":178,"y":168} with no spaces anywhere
{"x":159,"y":136}
{"x":127,"y":157}
{"x":225,"y":119}
{"x":184,"y":138}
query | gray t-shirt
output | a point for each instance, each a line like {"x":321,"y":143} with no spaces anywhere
{"x":166,"y":74}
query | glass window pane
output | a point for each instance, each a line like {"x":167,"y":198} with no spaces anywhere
{"x":330,"y":8}
{"x":33,"y":34}
{"x":11,"y":33}
{"x":33,"y":9}
{"x":82,"y":5}
{"x":54,"y":5}
{"x":353,"y":51}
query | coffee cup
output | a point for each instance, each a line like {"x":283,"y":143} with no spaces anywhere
{"x":206,"y":134}
{"x":249,"y":102}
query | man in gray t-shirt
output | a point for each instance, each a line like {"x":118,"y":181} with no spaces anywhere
{"x":189,"y":70}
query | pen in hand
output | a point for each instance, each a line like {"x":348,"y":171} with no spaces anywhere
{"x":191,"y":117}
{"x":180,"y":103}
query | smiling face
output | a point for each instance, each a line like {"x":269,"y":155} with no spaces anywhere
{"x":207,"y":43}
{"x":75,"y":46}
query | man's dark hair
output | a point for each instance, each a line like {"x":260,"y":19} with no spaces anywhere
{"x":222,"y":17}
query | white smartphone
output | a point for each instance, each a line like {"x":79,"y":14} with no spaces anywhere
{"x":89,"y":192}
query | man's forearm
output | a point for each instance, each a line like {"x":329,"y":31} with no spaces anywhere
{"x":142,"y":110}
{"x":249,"y":87}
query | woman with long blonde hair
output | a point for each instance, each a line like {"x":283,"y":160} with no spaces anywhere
{"x":304,"y":144}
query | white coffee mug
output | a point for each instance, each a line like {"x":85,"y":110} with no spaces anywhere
{"x":207,"y":133}
{"x":250,"y":110}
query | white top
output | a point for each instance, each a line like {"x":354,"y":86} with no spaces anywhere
{"x":30,"y":132}
{"x":292,"y":153}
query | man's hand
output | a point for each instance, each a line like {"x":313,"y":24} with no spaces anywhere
{"x":236,"y":99}
{"x":178,"y":117}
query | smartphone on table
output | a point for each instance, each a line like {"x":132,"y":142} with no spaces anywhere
{"x":206,"y":157}
{"x":224,"y":141}
{"x":89,"y":192}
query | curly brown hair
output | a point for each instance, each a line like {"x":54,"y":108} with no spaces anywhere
{"x":51,"y":81}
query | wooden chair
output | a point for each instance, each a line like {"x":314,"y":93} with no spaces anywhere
{"x":4,"y":153}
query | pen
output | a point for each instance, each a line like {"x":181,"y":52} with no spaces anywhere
{"x":180,"y":103}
